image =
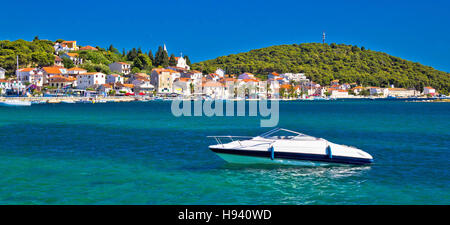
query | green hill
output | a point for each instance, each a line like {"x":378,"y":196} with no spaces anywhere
{"x":324,"y":63}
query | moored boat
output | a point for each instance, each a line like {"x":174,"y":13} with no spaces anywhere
{"x":15,"y":103}
{"x":293,"y":149}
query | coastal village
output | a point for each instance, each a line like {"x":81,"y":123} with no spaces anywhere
{"x":178,"y":81}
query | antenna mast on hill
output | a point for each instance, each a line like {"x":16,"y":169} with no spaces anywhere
{"x":323,"y":37}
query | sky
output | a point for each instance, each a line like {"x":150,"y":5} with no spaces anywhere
{"x":205,"y":29}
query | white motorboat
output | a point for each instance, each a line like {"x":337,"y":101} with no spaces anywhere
{"x":15,"y":103}
{"x":292,"y":149}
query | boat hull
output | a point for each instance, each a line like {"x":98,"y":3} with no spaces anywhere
{"x":286,"y":158}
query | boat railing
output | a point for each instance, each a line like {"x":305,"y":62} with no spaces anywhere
{"x":238,"y":139}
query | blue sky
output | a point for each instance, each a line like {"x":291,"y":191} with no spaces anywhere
{"x":414,"y":30}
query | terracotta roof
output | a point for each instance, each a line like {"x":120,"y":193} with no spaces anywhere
{"x":76,"y":69}
{"x":122,"y":63}
{"x":26,"y":69}
{"x":87,"y":47}
{"x":286,"y":86}
{"x":57,"y":58}
{"x":275,"y":74}
{"x":185,"y":79}
{"x":429,"y":87}
{"x":52,"y":69}
{"x":72,"y":54}
{"x":397,"y":89}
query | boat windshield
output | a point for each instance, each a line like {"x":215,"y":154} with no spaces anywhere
{"x":285,"y":134}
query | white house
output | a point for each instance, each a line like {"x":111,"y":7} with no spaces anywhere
{"x":213,"y":89}
{"x":183,"y":86}
{"x":65,"y":46}
{"x":339,"y":93}
{"x":86,"y":80}
{"x":297,"y":77}
{"x":2,"y":73}
{"x":379,"y":91}
{"x":76,"y":59}
{"x":120,"y":67}
{"x":31,"y":75}
{"x":429,"y":90}
{"x":143,"y":85}
{"x":114,"y":78}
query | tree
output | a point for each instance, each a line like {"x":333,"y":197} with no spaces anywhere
{"x":161,"y":57}
{"x":112,"y":49}
{"x":150,"y":55}
{"x":36,"y":38}
{"x":172,"y":60}
{"x":188,"y":61}
{"x":68,"y":63}
{"x":132,"y":54}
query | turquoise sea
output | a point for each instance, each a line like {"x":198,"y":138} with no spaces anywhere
{"x":139,"y":153}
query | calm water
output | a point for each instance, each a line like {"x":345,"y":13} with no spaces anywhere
{"x":138,"y":153}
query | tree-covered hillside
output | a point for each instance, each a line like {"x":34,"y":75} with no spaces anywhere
{"x":31,"y":53}
{"x":323,"y":63}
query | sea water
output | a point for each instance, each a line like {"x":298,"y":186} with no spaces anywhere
{"x":139,"y":153}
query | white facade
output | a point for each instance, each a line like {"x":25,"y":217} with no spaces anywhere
{"x":2,"y":73}
{"x":120,"y":67}
{"x":31,"y":75}
{"x":114,"y":78}
{"x":429,"y":90}
{"x":90,"y":79}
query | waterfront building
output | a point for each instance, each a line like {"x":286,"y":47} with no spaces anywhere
{"x":4,"y":85}
{"x":120,"y":67}
{"x":162,"y":79}
{"x":123,"y":88}
{"x":334,"y":82}
{"x":142,"y":84}
{"x":114,"y":78}
{"x":401,"y":92}
{"x":183,"y":86}
{"x":50,"y":71}
{"x":31,"y":75}
{"x":357,"y":89}
{"x":338,"y":93}
{"x":429,"y":90}
{"x":87,"y":80}
{"x":379,"y":91}
{"x":61,"y":81}
{"x":213,"y":89}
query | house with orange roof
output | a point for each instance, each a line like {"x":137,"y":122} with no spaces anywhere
{"x":58,"y":61}
{"x":220,"y":72}
{"x":114,"y":78}
{"x":429,"y":91}
{"x":75,"y":57}
{"x":273,"y":75}
{"x":183,"y":86}
{"x":61,"y":81}
{"x":120,"y":67}
{"x":123,"y":88}
{"x":31,"y":75}
{"x":65,"y":46}
{"x":50,"y":71}
{"x":162,"y":79}
{"x":214,"y":89}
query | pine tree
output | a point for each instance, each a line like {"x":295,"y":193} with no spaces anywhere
{"x":172,"y":60}
{"x":161,"y":57}
{"x":150,"y":55}
{"x":188,"y":61}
